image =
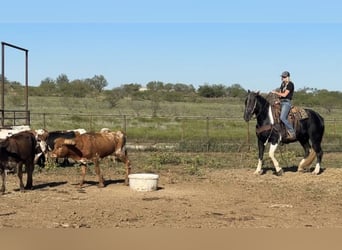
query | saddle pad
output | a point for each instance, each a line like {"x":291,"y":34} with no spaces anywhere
{"x":299,"y":112}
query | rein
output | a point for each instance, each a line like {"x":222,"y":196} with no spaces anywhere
{"x":264,"y":128}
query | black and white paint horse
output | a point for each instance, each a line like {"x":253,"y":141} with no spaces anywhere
{"x":309,"y":133}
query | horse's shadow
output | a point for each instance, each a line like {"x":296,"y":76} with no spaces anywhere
{"x":290,"y":169}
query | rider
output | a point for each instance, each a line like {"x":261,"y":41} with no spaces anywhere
{"x":285,"y":94}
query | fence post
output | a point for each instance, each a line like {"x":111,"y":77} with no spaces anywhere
{"x":44,"y":120}
{"x":125,"y":123}
{"x":248,"y":137}
{"x":207,"y":133}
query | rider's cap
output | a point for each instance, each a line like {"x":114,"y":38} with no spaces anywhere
{"x":285,"y":74}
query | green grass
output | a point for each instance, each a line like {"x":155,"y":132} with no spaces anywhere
{"x":207,"y":124}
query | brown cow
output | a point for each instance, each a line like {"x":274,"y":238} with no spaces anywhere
{"x":93,"y":147}
{"x":20,"y":149}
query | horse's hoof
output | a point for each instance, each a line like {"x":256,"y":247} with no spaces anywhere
{"x":260,"y":172}
{"x":315,"y":173}
{"x":279,"y":173}
{"x":301,"y":170}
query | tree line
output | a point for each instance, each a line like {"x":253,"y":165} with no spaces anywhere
{"x":157,"y":91}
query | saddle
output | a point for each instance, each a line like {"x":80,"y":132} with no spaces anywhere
{"x":296,"y":114}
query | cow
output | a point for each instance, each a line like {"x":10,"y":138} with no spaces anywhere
{"x":47,"y":139}
{"x":91,"y":147}
{"x":20,"y":149}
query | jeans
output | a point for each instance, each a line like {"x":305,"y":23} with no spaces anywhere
{"x":285,"y":109}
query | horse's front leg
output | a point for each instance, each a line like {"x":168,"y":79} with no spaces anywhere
{"x":261,"y":147}
{"x":279,"y":170}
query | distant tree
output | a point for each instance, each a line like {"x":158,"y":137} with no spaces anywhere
{"x":79,"y":88}
{"x":6,"y":81}
{"x":62,"y":84}
{"x":212,"y":91}
{"x":329,"y":99}
{"x":47,"y":87}
{"x":155,"y":95}
{"x":131,"y":89}
{"x":180,"y":87}
{"x":236,"y":90}
{"x":15,"y":84}
{"x":113,"y":96}
{"x":98,"y":83}
{"x":155,"y":86}
{"x":62,"y":78}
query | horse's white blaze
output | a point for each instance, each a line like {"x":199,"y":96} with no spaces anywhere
{"x":258,"y":169}
{"x":273,"y":148}
{"x":270,"y":115}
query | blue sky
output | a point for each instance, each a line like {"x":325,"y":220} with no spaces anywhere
{"x":192,"y":42}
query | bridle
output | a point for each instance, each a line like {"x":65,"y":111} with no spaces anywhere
{"x":254,"y":106}
{"x":264,"y":128}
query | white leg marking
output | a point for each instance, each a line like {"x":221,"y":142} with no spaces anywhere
{"x":273,"y":148}
{"x":300,"y":166}
{"x":317,"y":169}
{"x":258,"y":169}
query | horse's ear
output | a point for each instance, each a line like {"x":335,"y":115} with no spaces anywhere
{"x":258,"y":92}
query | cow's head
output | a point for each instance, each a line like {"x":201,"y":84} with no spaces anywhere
{"x":41,"y":137}
{"x":60,"y":150}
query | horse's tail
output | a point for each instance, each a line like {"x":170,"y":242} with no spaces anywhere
{"x":308,"y":160}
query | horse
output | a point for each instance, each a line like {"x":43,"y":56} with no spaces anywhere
{"x":310,"y":129}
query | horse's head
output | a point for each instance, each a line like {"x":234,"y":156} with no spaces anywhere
{"x":250,"y":105}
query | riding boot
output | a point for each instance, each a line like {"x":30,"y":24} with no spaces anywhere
{"x":291,"y":136}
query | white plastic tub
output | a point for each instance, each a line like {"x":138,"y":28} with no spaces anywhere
{"x":143,"y":182}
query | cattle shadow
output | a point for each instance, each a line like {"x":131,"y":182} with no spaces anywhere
{"x":111,"y":182}
{"x":96,"y":183}
{"x":49,"y":185}
{"x":43,"y":186}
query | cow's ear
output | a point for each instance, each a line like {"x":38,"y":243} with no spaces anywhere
{"x":12,"y":147}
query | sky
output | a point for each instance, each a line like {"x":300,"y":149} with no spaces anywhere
{"x":180,"y":41}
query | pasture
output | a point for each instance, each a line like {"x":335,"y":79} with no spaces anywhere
{"x":207,"y":181}
{"x":201,"y":125}
{"x":196,"y":190}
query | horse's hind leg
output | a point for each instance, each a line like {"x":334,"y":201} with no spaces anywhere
{"x":304,"y":162}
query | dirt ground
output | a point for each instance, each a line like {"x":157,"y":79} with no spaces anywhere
{"x":220,"y":198}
